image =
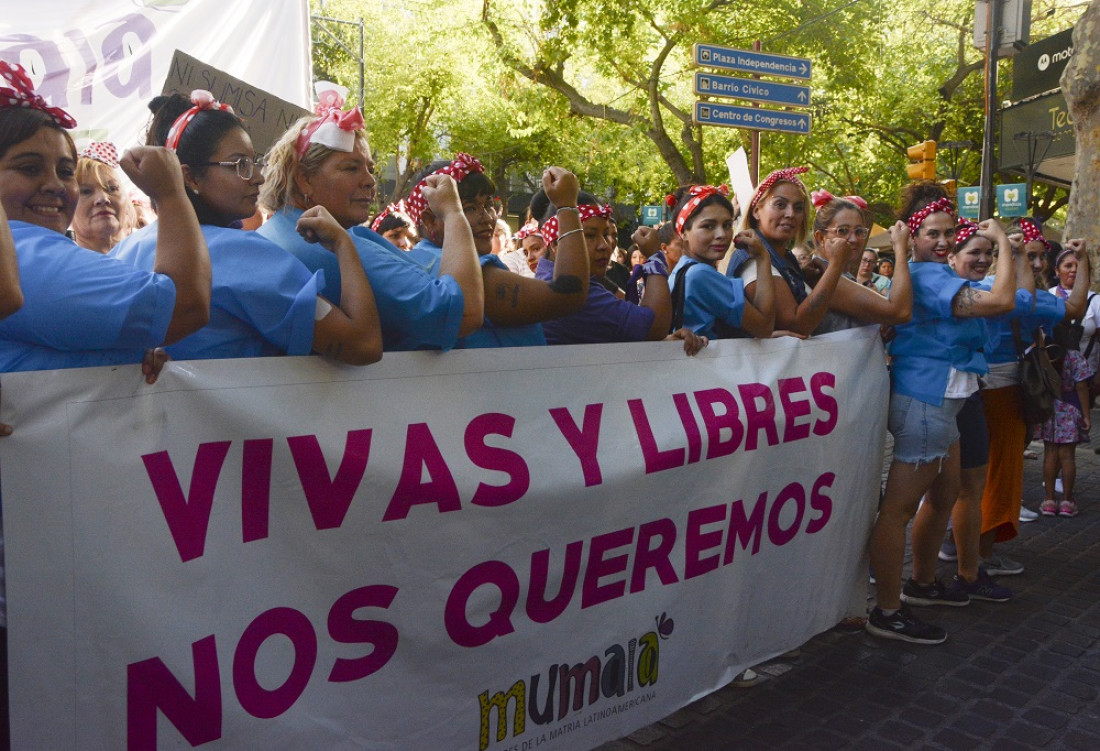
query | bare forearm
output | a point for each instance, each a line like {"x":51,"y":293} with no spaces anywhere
{"x":658,"y":299}
{"x":182,"y":256}
{"x":11,"y":295}
{"x":460,"y":262}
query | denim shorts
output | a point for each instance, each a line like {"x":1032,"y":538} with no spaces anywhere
{"x":922,"y":432}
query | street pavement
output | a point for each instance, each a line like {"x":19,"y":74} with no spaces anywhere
{"x":1018,"y":675}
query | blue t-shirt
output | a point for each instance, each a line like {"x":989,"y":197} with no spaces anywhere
{"x":490,"y":335}
{"x":427,"y":255}
{"x":933,"y":341}
{"x":604,"y":317}
{"x":709,"y":297}
{"x":417,"y":310}
{"x":80,"y":308}
{"x":263,"y":301}
{"x":1043,"y":309}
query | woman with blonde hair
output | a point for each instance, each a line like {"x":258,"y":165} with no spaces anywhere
{"x":325,"y":161}
{"x":102,"y":205}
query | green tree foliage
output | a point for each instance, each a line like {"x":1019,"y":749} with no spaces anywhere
{"x":604,"y":87}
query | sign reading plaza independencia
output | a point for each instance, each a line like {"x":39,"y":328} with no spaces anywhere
{"x":483,"y":549}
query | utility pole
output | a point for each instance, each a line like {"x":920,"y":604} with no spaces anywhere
{"x":992,"y":55}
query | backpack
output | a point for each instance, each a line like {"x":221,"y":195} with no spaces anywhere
{"x":1040,"y":383}
{"x":722,"y":329}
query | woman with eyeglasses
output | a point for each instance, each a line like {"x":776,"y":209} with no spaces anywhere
{"x":937,"y":358}
{"x":841,"y":227}
{"x":264,"y":301}
{"x":515,"y":305}
{"x":325,"y":161}
{"x":779,"y":214}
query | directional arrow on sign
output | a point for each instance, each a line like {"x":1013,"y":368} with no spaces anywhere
{"x":752,"y":118}
{"x":755,"y":90}
{"x":751,"y":61}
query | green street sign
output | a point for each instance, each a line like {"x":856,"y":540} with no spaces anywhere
{"x":969,"y":201}
{"x":651,"y":215}
{"x":1012,"y":200}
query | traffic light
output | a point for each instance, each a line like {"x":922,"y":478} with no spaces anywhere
{"x":922,"y":161}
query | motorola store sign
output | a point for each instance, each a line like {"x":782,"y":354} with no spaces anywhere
{"x":1038,"y":67}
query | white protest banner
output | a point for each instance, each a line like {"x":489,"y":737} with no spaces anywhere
{"x":483,"y":549}
{"x":104,"y":60}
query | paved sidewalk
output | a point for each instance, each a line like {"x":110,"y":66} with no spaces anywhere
{"x":1019,"y":675}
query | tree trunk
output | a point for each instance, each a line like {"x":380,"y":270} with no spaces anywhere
{"x":1081,"y":87}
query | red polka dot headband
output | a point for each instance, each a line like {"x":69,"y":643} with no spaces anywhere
{"x":1032,"y":232}
{"x":822,"y":197}
{"x":698,"y":193}
{"x":788,"y":175}
{"x":101,"y":151}
{"x":527,"y":231}
{"x":398,"y":209}
{"x":966,"y":230}
{"x":462,"y":165}
{"x":20,"y":93}
{"x":916,"y":219}
{"x":586,"y":211}
{"x":202,"y":100}
{"x":334,"y":126}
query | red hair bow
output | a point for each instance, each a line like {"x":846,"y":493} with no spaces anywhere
{"x":462,"y":165}
{"x":101,"y":151}
{"x":334,"y":127}
{"x":787,"y":174}
{"x":966,"y":230}
{"x":585,"y":210}
{"x":21,"y":93}
{"x":202,"y":100}
{"x":1032,"y":232}
{"x":698,"y":193}
{"x":918,"y":217}
{"x":822,"y":197}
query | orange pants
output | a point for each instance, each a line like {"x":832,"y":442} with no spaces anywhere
{"x":1004,"y":481}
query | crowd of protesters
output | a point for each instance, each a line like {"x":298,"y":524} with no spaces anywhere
{"x":89,"y":277}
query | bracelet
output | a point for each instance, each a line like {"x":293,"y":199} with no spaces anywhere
{"x":574,"y":209}
{"x":564,"y":235}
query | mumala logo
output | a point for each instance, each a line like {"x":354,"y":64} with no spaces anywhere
{"x":621,"y":672}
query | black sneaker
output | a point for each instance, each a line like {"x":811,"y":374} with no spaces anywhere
{"x":933,"y":594}
{"x":982,"y":588}
{"x":903,"y":626}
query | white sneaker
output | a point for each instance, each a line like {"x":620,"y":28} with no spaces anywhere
{"x":1027,"y":515}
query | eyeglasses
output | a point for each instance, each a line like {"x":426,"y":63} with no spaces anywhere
{"x":860,"y":232}
{"x":245,"y":167}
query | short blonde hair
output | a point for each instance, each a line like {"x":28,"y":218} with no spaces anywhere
{"x":90,"y":170}
{"x":280,"y":189}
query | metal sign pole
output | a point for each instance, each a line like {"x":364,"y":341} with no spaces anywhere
{"x":992,"y":46}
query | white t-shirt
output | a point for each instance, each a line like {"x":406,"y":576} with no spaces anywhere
{"x":960,"y":384}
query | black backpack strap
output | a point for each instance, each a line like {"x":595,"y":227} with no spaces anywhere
{"x":677,"y":283}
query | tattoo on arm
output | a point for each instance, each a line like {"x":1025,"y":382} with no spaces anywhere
{"x":334,"y":350}
{"x":504,"y":291}
{"x":964,"y":301}
{"x":815,"y":303}
{"x":566,"y":285}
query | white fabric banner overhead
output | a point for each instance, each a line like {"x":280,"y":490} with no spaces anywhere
{"x":486,"y":549}
{"x":103,"y":60}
